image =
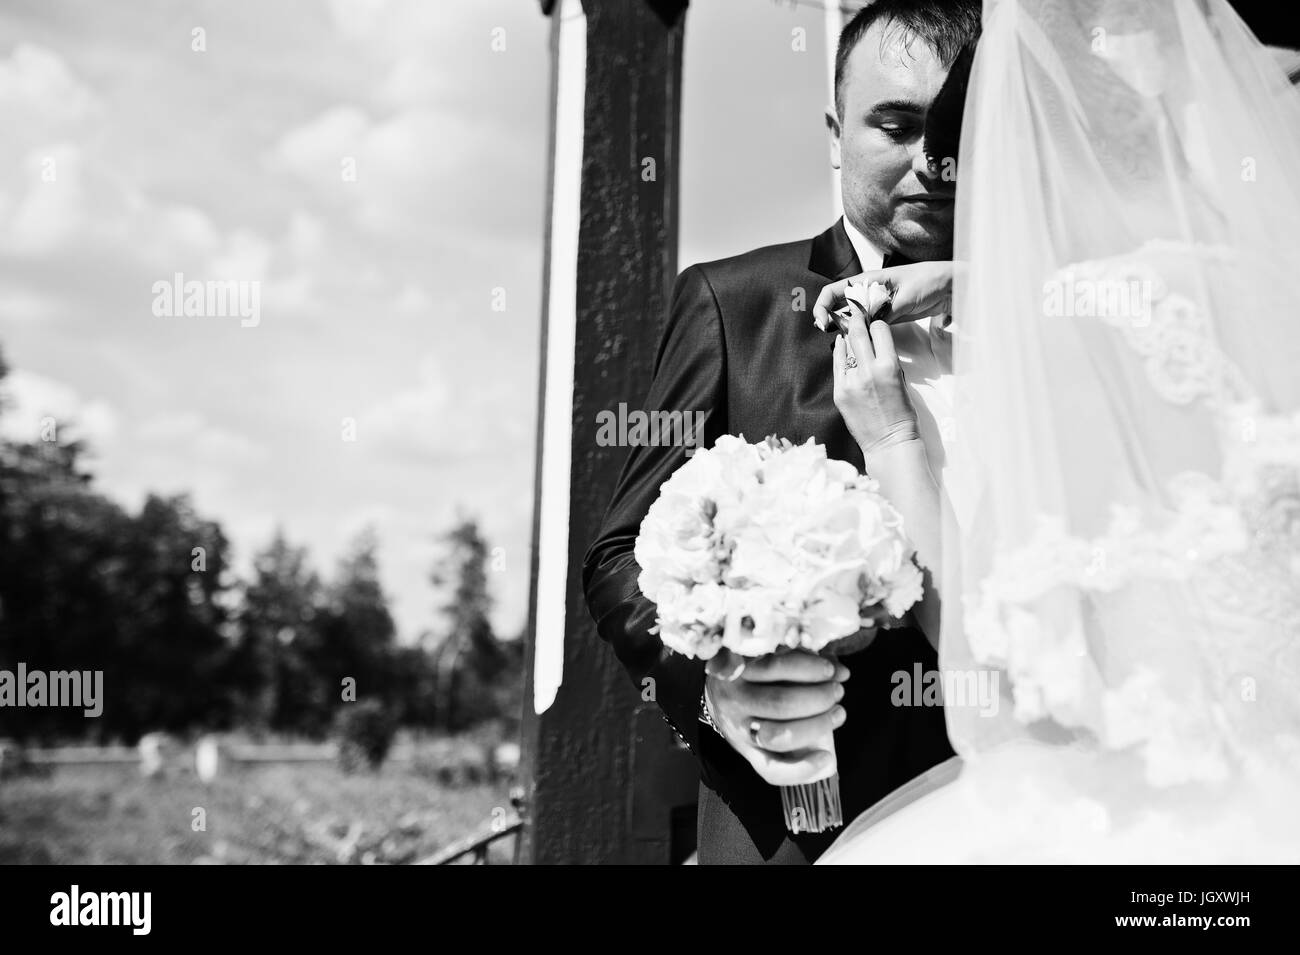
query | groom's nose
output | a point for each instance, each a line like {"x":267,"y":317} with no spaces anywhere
{"x":936,"y":173}
{"x":928,"y":171}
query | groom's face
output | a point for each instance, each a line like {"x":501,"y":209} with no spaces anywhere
{"x":889,"y":193}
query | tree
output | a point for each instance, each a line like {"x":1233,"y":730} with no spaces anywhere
{"x":357,"y":634}
{"x":149,"y":600}
{"x":59,"y":596}
{"x":277,"y":645}
{"x":170,"y":577}
{"x":86,"y":586}
{"x":471,"y":664}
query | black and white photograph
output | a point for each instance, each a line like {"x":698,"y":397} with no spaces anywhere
{"x":650,"y":432}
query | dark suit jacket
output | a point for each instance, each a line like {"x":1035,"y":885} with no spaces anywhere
{"x":740,"y":345}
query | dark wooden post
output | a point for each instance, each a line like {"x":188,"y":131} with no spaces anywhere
{"x":605,"y":779}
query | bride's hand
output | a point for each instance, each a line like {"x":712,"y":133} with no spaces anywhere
{"x":918,"y":289}
{"x":871,"y":395}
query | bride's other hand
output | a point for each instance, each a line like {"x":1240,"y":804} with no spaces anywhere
{"x":872,"y":397}
{"x":870,"y":392}
{"x":918,"y":289}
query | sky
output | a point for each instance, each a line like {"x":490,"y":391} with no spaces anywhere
{"x":378,"y":168}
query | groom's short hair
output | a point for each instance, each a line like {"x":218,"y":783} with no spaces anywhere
{"x":943,"y":25}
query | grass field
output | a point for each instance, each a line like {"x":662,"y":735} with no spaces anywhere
{"x":285,"y":813}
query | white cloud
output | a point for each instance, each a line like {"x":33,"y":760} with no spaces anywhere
{"x":175,"y":452}
{"x":413,"y":299}
{"x":38,"y":92}
{"x":290,"y":293}
{"x":244,"y":256}
{"x":403,"y":164}
{"x":52,"y":209}
{"x":452,"y":413}
{"x":361,"y":19}
{"x":188,"y":433}
{"x":20,"y":305}
{"x":411,"y":423}
{"x":31,"y":399}
{"x":88,"y":210}
{"x":158,"y":160}
{"x":86,"y":205}
{"x":316,"y":149}
{"x":413,"y":80}
{"x":305,"y":237}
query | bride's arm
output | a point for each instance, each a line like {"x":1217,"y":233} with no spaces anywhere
{"x":903,"y":472}
{"x":872,"y":397}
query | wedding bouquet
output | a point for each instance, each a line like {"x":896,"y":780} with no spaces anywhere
{"x":768,"y":547}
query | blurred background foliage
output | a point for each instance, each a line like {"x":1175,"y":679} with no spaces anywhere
{"x":187,"y":646}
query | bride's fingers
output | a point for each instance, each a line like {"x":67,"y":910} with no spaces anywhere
{"x":859,"y":337}
{"x":829,"y":300}
{"x":882,"y":339}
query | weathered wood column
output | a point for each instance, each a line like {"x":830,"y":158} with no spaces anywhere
{"x":606,"y":781}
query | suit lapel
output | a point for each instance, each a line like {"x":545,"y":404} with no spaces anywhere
{"x":832,"y":258}
{"x":833,"y":255}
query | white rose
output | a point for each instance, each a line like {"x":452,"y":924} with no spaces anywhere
{"x":755,"y":624}
{"x":706,"y":603}
{"x":830,"y":618}
{"x":904,"y":589}
{"x":674,"y":543}
{"x":870,"y":297}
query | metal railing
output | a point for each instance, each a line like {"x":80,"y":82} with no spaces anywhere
{"x":479,"y":843}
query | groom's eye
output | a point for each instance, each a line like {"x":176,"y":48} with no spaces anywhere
{"x":900,"y":121}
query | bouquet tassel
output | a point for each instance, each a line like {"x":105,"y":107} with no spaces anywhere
{"x":813,"y":807}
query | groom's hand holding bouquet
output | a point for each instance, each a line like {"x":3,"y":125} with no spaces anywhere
{"x":768,"y":560}
{"x":778,"y":711}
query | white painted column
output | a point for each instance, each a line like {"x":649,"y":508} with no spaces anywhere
{"x":834,"y":21}
{"x":561,"y":327}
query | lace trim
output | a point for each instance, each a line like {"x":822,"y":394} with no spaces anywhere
{"x":1233,"y":542}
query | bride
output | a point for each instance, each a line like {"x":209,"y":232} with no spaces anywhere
{"x":1116,"y":534}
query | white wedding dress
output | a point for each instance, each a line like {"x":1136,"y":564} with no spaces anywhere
{"x":1127,"y":374}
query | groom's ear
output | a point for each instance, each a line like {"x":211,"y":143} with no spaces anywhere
{"x":833,"y":127}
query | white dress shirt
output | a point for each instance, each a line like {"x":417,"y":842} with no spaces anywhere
{"x":925,"y":351}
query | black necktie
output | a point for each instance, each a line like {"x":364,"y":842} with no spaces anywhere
{"x":891,"y":259}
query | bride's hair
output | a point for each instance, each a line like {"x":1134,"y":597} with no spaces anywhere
{"x":945,"y":26}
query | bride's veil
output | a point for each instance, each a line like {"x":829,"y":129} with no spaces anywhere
{"x":1123,"y":463}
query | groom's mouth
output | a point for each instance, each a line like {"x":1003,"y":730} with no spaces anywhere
{"x":929,"y":200}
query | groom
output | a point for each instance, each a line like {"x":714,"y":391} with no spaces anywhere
{"x":741,"y":347}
